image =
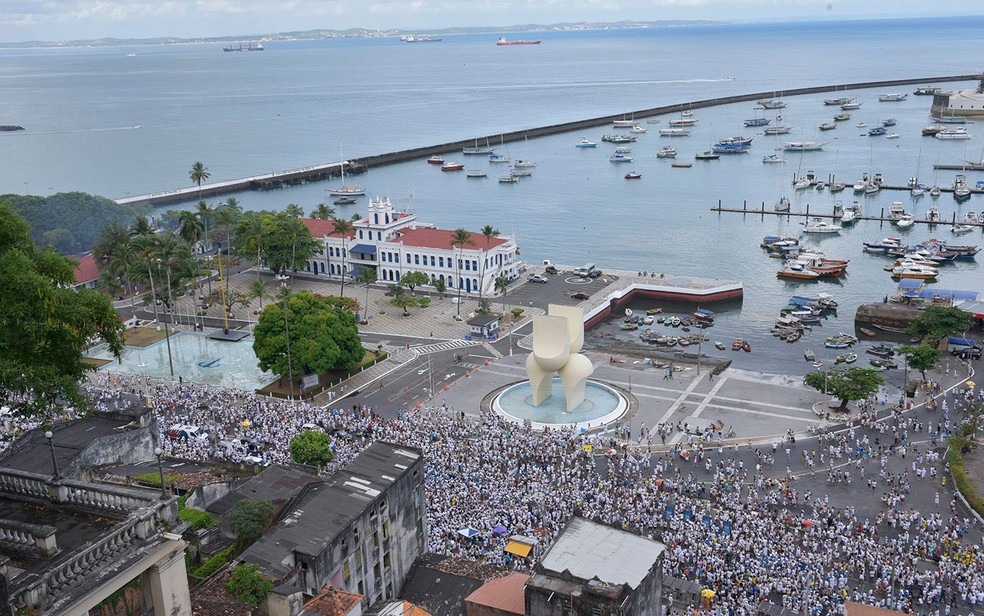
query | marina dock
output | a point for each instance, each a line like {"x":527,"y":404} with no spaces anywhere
{"x":325,"y":171}
{"x":881,"y":217}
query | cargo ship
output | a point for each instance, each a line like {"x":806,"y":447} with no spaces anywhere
{"x":421,"y":39}
{"x":504,"y":42}
{"x":247,"y":47}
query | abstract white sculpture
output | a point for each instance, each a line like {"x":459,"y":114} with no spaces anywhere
{"x":557,"y":339}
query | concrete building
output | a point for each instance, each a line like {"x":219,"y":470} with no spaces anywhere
{"x":358,"y":532}
{"x":958,"y":103}
{"x":393,"y":243}
{"x":66,"y":544}
{"x":596,"y":570}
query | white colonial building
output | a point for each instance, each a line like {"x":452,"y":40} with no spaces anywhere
{"x":958,"y":103}
{"x":394,"y":243}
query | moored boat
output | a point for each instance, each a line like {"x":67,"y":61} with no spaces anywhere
{"x":452,"y":166}
{"x":436,"y":159}
{"x":586,"y":143}
{"x":503,"y":42}
{"x":633,"y":175}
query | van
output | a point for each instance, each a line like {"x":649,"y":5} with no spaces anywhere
{"x":585,"y":271}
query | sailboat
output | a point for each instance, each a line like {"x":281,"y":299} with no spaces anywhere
{"x":500,"y":157}
{"x":782,"y":205}
{"x":520,"y":163}
{"x":916,"y":189}
{"x":346,"y":190}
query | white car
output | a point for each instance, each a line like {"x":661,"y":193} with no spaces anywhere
{"x":538,"y":278}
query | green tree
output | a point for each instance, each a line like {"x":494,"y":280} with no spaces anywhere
{"x":141,"y":227}
{"x":323,"y":212}
{"x":198,"y":174}
{"x":488,"y":231}
{"x":938,"y":322}
{"x":311,"y":447}
{"x":368,"y":277}
{"x":190,"y":227}
{"x":283,"y":242}
{"x":921,"y":358}
{"x":484,"y":306}
{"x":249,"y":519}
{"x":322,"y":336}
{"x":343,"y":228}
{"x":460,"y":238}
{"x":44,"y":324}
{"x":440,"y":287}
{"x":412,"y":280}
{"x":846,"y":384}
{"x":115,"y":255}
{"x":258,"y":290}
{"x":294,"y":210}
{"x":246,"y":584}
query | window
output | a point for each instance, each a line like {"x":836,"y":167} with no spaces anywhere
{"x":408,"y":258}
{"x":467,"y":265}
{"x":360,"y":234}
{"x":379,"y":235}
{"x":420,"y":527}
{"x":387,"y":563}
{"x":386,"y":531}
{"x":432,"y":260}
{"x":346,"y":572}
{"x":375,"y":540}
{"x":440,"y":261}
{"x":362,"y":588}
{"x":416,"y":259}
{"x":475,"y":265}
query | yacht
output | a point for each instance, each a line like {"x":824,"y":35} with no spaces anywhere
{"x":819,"y":225}
{"x":586,"y":143}
{"x":674,"y":132}
{"x":953,"y":133}
{"x":666,"y":151}
{"x":905,"y":221}
{"x":802,"y":146}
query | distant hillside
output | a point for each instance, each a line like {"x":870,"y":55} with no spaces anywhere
{"x":360,"y":33}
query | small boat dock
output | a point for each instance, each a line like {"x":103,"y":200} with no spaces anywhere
{"x":881,"y":217}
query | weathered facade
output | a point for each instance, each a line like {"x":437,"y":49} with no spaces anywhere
{"x":360,"y":532}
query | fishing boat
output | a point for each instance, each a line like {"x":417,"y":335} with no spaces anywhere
{"x":615,"y":138}
{"x":520,"y":164}
{"x":851,"y":105}
{"x":687,"y":121}
{"x":508,"y":179}
{"x":757,"y":122}
{"x":633,"y":175}
{"x":931,"y":130}
{"x":847,"y":358}
{"x":803,"y":146}
{"x":586,"y":143}
{"x":836,"y":101}
{"x":452,"y":166}
{"x":876,"y":131}
{"x":681,"y":164}
{"x":779,"y":129}
{"x":828,"y":126}
{"x":797,"y":272}
{"x":927,"y":90}
{"x":842,"y":117}
{"x":521,"y":173}
{"x":774,"y":103}
{"x":730,"y":148}
{"x":435,"y":160}
{"x":809,"y":355}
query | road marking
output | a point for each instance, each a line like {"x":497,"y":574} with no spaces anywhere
{"x":710,"y":395}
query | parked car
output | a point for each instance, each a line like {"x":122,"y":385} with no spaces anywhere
{"x":551,"y":270}
{"x":594,"y":273}
{"x":187,"y":432}
{"x":256,"y":459}
{"x":580,"y":295}
{"x":538,"y":278}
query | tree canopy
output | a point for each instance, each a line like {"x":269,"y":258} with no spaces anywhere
{"x":323,"y":337}
{"x":412,"y":280}
{"x":921,"y":358}
{"x":938,"y":322}
{"x":847,"y":384}
{"x":72,"y":222}
{"x":44,"y":324}
{"x":278,"y":239}
{"x":311,"y":447}
{"x":247,"y":584}
{"x":248,"y":519}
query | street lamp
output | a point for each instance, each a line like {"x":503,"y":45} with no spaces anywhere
{"x":290,"y":368}
{"x":167,"y":329}
{"x":54,"y":461}
{"x":160,"y":468}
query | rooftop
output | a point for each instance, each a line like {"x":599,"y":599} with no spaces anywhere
{"x":86,"y":270}
{"x":329,"y":508}
{"x":506,"y":594}
{"x":858,"y":609}
{"x":275,"y":483}
{"x":440,"y":584}
{"x":441,"y":239}
{"x":69,"y":440}
{"x":332,"y":602}
{"x":591,"y":550}
{"x":324,"y":228}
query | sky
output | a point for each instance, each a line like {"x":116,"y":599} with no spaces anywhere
{"x":57,"y":20}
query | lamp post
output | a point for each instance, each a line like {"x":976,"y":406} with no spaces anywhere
{"x":167,"y":329}
{"x":290,"y":368}
{"x":160,"y":468}
{"x":54,"y":461}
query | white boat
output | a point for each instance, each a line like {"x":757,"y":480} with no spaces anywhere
{"x":850,"y":105}
{"x":819,"y":225}
{"x":782,"y":205}
{"x":674,"y":132}
{"x":637,"y":129}
{"x":524,"y":163}
{"x":953,"y":133}
{"x":508,"y":179}
{"x":915,"y":271}
{"x":475,"y":173}
{"x":896,"y":210}
{"x":773,"y":158}
{"x":619,"y":158}
{"x":346,"y":190}
{"x":586,"y":143}
{"x":848,"y":217}
{"x":623,"y":149}
{"x":935,"y":191}
{"x":683,"y":122}
{"x":905,"y":221}
{"x":623,"y":123}
{"x":933,"y":215}
{"x":961,"y":191}
{"x":894,"y":97}
{"x":960,"y":229}
{"x":892,"y":136}
{"x":803,"y":146}
{"x":970,"y":218}
{"x":666,"y":151}
{"x":802,"y":183}
{"x":495,"y":157}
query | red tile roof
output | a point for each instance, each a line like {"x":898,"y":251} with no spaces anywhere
{"x":332,"y":602}
{"x":506,"y":594}
{"x":321,"y":228}
{"x":441,"y":239}
{"x":859,"y":609}
{"x":210,"y":598}
{"x":86,"y":270}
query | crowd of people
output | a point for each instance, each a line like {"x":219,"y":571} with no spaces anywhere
{"x":749,"y":523}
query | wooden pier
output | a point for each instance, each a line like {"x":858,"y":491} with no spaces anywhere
{"x":324,"y":171}
{"x":762,"y":211}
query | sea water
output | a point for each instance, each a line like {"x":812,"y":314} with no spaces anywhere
{"x":122,"y":121}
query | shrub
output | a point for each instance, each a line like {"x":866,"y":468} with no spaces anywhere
{"x":213,"y":564}
{"x":248,"y":585}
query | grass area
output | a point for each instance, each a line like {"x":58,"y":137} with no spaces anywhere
{"x":961,"y":477}
{"x":196,"y":518}
{"x":281,"y":387}
{"x":154,"y":479}
{"x":143,"y":336}
{"x":98,"y":363}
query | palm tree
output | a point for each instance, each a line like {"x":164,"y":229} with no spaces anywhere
{"x":323,"y":212}
{"x":203,"y":212}
{"x":198,"y":174}
{"x":489,"y":232}
{"x":141,"y":227}
{"x":368,"y":276}
{"x":294,"y":210}
{"x":500,"y":285}
{"x":250,"y":234}
{"x":190,"y":227}
{"x":459,"y":239}
{"x":343,"y":228}
{"x":258,"y":290}
{"x":144,"y":246}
